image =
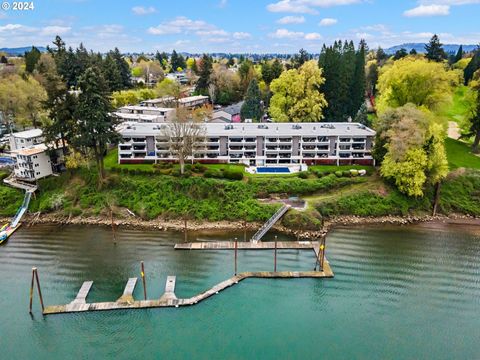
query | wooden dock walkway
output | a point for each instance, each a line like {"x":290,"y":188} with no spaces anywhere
{"x":167,"y":300}
{"x":247,"y":245}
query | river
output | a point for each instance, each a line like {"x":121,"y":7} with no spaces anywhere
{"x":398,"y":293}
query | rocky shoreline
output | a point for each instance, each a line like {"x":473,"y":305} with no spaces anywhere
{"x":199,"y":226}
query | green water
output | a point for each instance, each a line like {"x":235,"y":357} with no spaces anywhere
{"x":398,"y":293}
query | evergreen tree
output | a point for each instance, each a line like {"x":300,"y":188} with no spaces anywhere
{"x":413,"y":52}
{"x":301,"y":58}
{"x":381,"y":55}
{"x":474,"y":130}
{"x":252,"y":107}
{"x":122,"y":67}
{"x":3,"y":60}
{"x":205,"y":72}
{"x":399,"y":54}
{"x":231,"y":61}
{"x":112,"y":74}
{"x":195,"y":67}
{"x":60,"y":105}
{"x":95,"y":126}
{"x":359,"y":79}
{"x":434,"y":50}
{"x":267,"y":74}
{"x":177,"y":61}
{"x":459,"y":55}
{"x":277,"y":69}
{"x":31,"y":59}
{"x":472,"y":66}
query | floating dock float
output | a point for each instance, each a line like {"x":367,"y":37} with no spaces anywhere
{"x":169,"y":298}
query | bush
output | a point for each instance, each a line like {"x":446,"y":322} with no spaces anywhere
{"x":353,"y":173}
{"x":338,"y":173}
{"x":198,"y":168}
{"x":303,"y":175}
{"x":213,"y":173}
{"x":346,"y":173}
{"x":233,"y":175}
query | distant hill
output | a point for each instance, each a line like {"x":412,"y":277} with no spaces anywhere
{"x":20,"y":50}
{"x":420,"y":48}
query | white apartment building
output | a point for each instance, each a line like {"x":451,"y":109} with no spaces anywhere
{"x":145,"y":114}
{"x":33,"y":163}
{"x":25,"y":139}
{"x":255,"y":144}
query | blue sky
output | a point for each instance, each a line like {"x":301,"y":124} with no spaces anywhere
{"x":282,"y":26}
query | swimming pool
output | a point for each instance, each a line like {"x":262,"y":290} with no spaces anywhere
{"x":6,"y":161}
{"x":273,"y":170}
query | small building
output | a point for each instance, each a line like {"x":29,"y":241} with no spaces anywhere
{"x":229,"y":113}
{"x":179,"y":77}
{"x":191,"y":102}
{"x":25,"y":139}
{"x":149,"y":114}
{"x":33,"y":163}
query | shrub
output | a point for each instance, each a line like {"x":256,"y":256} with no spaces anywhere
{"x":338,"y":173}
{"x":353,"y":173}
{"x":303,"y":175}
{"x":213,"y":173}
{"x":233,"y":175}
{"x":346,"y":173}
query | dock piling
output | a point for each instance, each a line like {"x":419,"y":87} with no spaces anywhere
{"x":31,"y":290}
{"x":39,"y":290}
{"x":275,"y":256}
{"x":143,"y":281}
{"x":236,"y":250}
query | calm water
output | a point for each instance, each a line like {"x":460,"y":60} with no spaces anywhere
{"x":398,"y":293}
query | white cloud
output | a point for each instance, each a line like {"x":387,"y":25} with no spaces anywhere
{"x":239,"y":35}
{"x":286,"y":34}
{"x":222,"y":3}
{"x":55,"y":30}
{"x":10,"y":27}
{"x":449,"y":2}
{"x":3,"y":15}
{"x":290,"y":7}
{"x":213,"y":32}
{"x":180,"y":24}
{"x":142,"y":10}
{"x":313,"y":36}
{"x":291,"y":20}
{"x":328,"y":22}
{"x":428,"y":10}
{"x":306,"y":6}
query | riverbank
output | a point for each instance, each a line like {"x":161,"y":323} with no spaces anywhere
{"x":208,"y":226}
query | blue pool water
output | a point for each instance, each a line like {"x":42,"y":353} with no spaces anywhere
{"x":269,"y":170}
{"x":7,"y":161}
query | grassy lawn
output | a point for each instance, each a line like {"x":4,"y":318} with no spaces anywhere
{"x":334,"y":168}
{"x":459,"y":155}
{"x":459,"y":109}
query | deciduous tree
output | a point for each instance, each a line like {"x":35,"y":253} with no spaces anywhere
{"x":415,"y":81}
{"x":296,"y":95}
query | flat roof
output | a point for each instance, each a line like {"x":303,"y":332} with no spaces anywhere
{"x":148,"y":108}
{"x":258,"y":129}
{"x":192,"y":98}
{"x":28,"y":134}
{"x":129,"y":116}
{"x":37,"y":149}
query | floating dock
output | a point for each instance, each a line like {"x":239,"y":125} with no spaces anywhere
{"x":169,"y":298}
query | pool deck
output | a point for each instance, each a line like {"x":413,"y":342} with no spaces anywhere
{"x":169,"y":298}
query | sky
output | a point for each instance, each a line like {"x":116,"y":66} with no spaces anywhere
{"x":237,"y":26}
